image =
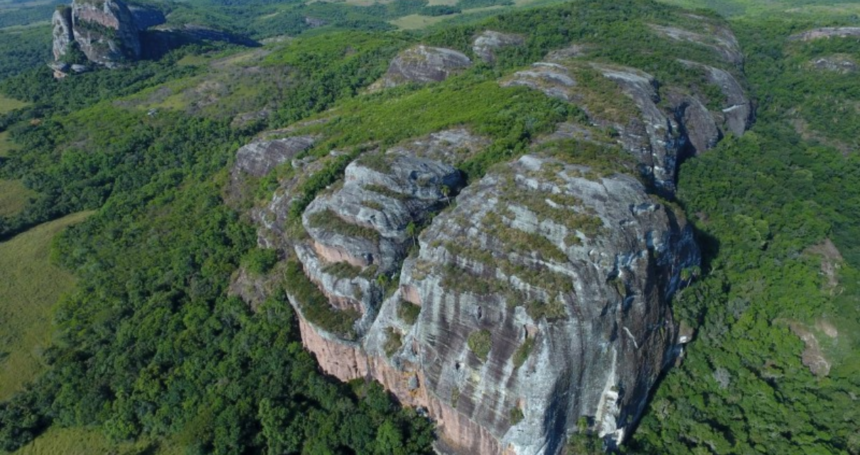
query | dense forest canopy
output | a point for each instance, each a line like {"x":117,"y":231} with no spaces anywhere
{"x":150,"y":346}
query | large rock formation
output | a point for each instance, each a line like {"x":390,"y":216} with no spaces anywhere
{"x":659,"y":137}
{"x":536,"y":304}
{"x":422,"y":64}
{"x":547,"y":280}
{"x":110,"y":32}
{"x":105,"y":31}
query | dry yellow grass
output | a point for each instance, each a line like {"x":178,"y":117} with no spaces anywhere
{"x":29,"y":287}
{"x":13,"y":197}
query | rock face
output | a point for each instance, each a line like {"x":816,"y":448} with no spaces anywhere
{"x":422,"y":64}
{"x":105,"y":31}
{"x":109,"y":33}
{"x":546,"y":281}
{"x":62,"y":26}
{"x":658,"y":137}
{"x":260,"y":158}
{"x":716,"y":38}
{"x":827,"y":32}
{"x":489,"y":41}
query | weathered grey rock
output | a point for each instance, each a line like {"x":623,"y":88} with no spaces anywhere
{"x":837,"y":63}
{"x":489,"y":41}
{"x":827,"y":32}
{"x":63,"y":37}
{"x":655,"y":137}
{"x":567,"y":53}
{"x":422,"y":64}
{"x":658,"y":137}
{"x":552,"y":79}
{"x":260,"y":158}
{"x":719,"y":39}
{"x":105,"y":31}
{"x":451,"y":147}
{"x":587,"y":283}
{"x":737,"y":110}
{"x":381,"y":195}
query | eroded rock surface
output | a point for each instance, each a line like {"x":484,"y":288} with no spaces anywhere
{"x":422,"y":64}
{"x":566,"y":271}
{"x":719,"y":39}
{"x":659,"y":137}
{"x":827,"y":32}
{"x":485,"y":44}
{"x":260,"y":158}
{"x":552,"y":79}
{"x":61,"y":22}
{"x":105,"y":31}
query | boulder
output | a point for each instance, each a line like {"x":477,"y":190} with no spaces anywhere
{"x":259,"y":158}
{"x":489,"y":41}
{"x":422,"y":64}
{"x":719,"y":39}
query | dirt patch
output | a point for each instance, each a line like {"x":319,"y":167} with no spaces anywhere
{"x":831,"y":262}
{"x":813,"y":356}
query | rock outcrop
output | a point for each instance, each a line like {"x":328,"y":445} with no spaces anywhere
{"x":422,"y":64}
{"x":105,"y":31}
{"x":110,"y":33}
{"x":546,"y":281}
{"x":259,"y":158}
{"x":487,"y":42}
{"x":827,"y":32}
{"x":837,"y":63}
{"x":61,"y":22}
{"x":658,"y":137}
{"x":719,"y":39}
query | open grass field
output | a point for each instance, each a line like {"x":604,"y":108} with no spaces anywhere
{"x":9,"y":104}
{"x":29,"y":287}
{"x":13,"y":197}
{"x":91,"y":441}
{"x":417,"y":21}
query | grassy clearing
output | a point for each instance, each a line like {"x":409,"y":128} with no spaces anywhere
{"x":13,"y":197}
{"x":29,"y":287}
{"x":9,"y":104}
{"x":86,"y":441}
{"x":417,"y":21}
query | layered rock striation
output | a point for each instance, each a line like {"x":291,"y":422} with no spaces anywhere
{"x":546,"y":281}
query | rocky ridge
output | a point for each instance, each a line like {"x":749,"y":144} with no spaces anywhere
{"x":546,"y":278}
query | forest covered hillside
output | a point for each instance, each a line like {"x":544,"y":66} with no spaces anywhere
{"x":474,"y":226}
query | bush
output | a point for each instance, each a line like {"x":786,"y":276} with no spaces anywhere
{"x":259,"y":261}
{"x":480,"y":342}
{"x":408,"y":311}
